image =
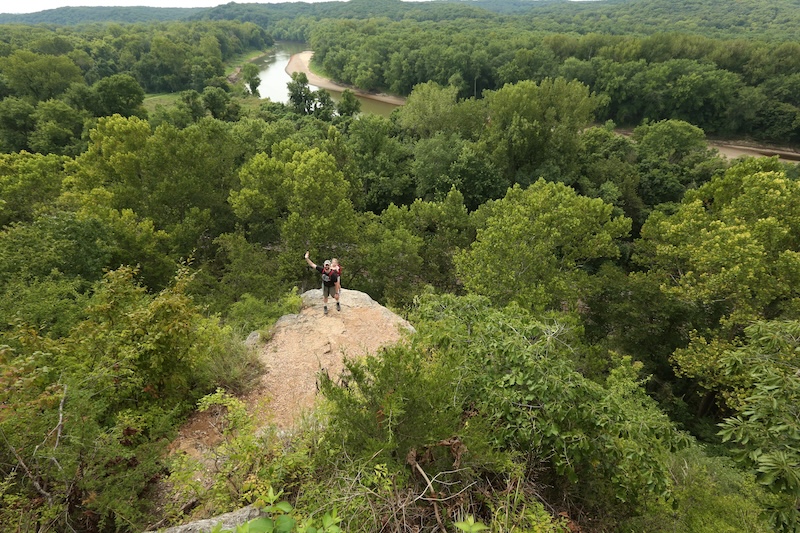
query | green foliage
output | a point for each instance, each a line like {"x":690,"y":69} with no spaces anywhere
{"x":525,"y":253}
{"x":516,"y":390}
{"x":250,"y":313}
{"x":28,"y":182}
{"x":608,"y":171}
{"x":381,"y":161}
{"x":280,"y":518}
{"x":320,"y":212}
{"x":251,"y":77}
{"x":748,"y":218}
{"x":487,"y":412}
{"x":709,"y":494}
{"x":470,"y":526}
{"x":117,"y":94}
{"x":765,"y":422}
{"x":428,"y":110}
{"x":389,"y":265}
{"x":16,"y":123}
{"x":94,"y":409}
{"x":538,"y":404}
{"x":533,"y":127}
{"x":672,"y":158}
{"x":39,"y":76}
{"x":349,"y":105}
{"x":435,"y":232}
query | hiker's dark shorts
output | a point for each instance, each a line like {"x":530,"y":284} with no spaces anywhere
{"x":328,"y":291}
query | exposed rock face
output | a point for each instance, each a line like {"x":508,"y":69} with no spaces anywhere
{"x":228,"y":521}
{"x":298,"y":348}
{"x":303,"y":344}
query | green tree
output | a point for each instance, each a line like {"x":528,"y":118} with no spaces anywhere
{"x":301,"y":97}
{"x":444,"y":227}
{"x":324,"y":106}
{"x":118,"y":94}
{"x":216,"y":100}
{"x":729,"y":251}
{"x":39,"y":76}
{"x":348,"y":105}
{"x":93,"y":410}
{"x":533,"y":129}
{"x":381,"y":162}
{"x":251,"y":78}
{"x":535,"y":246}
{"x":673,"y":156}
{"x":428,"y":110}
{"x":28,"y":182}
{"x":58,"y":129}
{"x":608,"y":170}
{"x":320,"y":216}
{"x":433,"y":159}
{"x":113,"y":161}
{"x":261,"y":199}
{"x":16,"y":124}
{"x":388,"y":265}
{"x":563,"y":412}
{"x":730,"y":245}
{"x":764,"y":428}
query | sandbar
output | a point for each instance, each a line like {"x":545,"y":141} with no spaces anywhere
{"x":299,"y":63}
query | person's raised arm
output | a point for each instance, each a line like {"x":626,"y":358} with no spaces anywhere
{"x":309,"y":261}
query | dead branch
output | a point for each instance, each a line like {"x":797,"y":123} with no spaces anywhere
{"x":411,"y":458}
{"x":36,"y":484}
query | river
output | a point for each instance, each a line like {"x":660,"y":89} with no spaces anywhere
{"x":272,"y":71}
{"x":274,"y":80}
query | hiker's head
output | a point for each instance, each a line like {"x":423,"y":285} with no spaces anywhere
{"x":327,"y":264}
{"x":334,"y":262}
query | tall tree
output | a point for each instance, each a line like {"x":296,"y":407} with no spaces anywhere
{"x":251,"y":78}
{"x":533,"y":129}
{"x":730,"y":251}
{"x":301,"y":96}
{"x":39,"y":76}
{"x":534,"y":245}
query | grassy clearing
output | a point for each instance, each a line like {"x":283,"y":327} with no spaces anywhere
{"x":239,"y":59}
{"x":163,"y":99}
{"x":169,"y":99}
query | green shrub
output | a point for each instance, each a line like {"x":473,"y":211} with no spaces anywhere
{"x":709,"y":496}
{"x":251,"y":313}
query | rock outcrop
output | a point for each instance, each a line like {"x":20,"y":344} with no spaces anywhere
{"x":298,"y":347}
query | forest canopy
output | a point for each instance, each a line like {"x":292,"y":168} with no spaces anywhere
{"x":606,"y":320}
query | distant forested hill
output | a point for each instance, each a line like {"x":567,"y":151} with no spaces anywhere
{"x":758,"y":19}
{"x":81,"y":15}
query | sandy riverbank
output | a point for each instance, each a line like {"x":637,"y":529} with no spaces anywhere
{"x":299,"y":63}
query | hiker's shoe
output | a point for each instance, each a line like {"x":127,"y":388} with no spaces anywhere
{"x":338,"y":307}
{"x":325,"y":309}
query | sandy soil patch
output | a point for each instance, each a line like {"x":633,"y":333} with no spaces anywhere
{"x":299,"y":63}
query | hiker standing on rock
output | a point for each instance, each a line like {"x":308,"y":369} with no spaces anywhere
{"x":330,"y":282}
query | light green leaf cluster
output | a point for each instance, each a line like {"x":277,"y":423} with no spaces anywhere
{"x":533,"y":245}
{"x":766,"y":427}
{"x":732,"y":243}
